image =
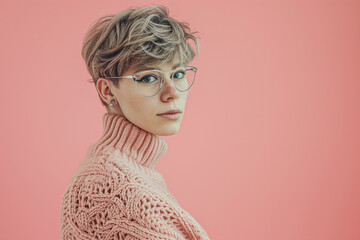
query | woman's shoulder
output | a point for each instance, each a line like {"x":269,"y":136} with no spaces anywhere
{"x":110,"y":172}
{"x":102,"y":168}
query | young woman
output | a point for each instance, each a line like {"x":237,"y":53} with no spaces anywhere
{"x":139,"y":61}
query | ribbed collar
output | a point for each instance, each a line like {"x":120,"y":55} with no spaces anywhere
{"x":139,"y":145}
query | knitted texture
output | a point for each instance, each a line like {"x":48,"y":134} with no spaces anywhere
{"x":116,"y":193}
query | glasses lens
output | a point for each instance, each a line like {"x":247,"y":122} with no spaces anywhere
{"x":184,"y":78}
{"x":149,"y":82}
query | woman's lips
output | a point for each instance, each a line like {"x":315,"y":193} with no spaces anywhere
{"x":171,"y":116}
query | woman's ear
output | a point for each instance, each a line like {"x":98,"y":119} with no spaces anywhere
{"x":104,"y":86}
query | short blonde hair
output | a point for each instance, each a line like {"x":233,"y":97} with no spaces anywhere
{"x":135,"y":37}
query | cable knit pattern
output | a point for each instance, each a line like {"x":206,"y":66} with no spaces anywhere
{"x":116,"y":193}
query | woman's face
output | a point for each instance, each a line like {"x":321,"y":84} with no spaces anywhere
{"x":142,"y":111}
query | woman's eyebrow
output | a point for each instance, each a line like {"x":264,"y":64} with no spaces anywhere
{"x":151,"y":68}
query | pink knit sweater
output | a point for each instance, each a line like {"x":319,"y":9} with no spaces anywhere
{"x":117,"y":194}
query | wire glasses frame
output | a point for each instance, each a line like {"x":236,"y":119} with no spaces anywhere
{"x":135,"y":78}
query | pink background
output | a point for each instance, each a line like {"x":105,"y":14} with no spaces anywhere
{"x":272,"y":124}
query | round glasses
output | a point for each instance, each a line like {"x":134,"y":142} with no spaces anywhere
{"x":150,"y":82}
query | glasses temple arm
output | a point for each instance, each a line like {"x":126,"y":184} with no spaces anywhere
{"x":131,"y":77}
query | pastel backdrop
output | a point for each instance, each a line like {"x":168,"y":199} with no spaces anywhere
{"x":269,"y":147}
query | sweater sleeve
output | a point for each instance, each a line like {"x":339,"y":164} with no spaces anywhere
{"x":113,"y":205}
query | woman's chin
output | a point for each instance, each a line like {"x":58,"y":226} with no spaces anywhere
{"x":167,"y":130}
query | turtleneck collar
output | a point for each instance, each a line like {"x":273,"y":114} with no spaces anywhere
{"x":139,"y":145}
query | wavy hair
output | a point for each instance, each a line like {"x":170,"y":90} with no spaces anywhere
{"x":135,"y":37}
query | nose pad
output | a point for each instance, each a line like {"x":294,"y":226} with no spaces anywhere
{"x":168,"y":79}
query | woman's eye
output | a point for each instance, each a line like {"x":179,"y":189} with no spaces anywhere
{"x":148,"y":79}
{"x":179,"y":74}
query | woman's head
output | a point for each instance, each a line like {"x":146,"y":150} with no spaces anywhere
{"x":131,"y":41}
